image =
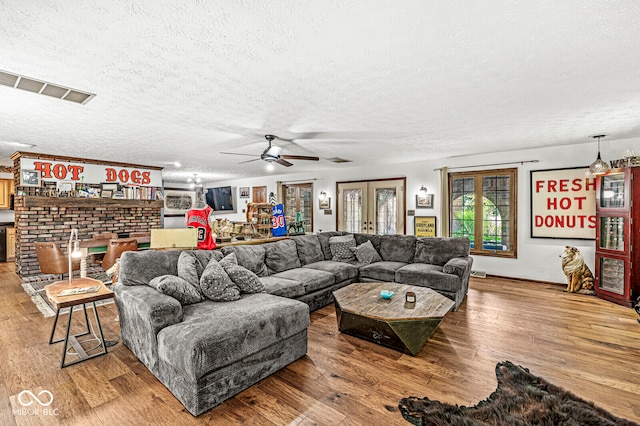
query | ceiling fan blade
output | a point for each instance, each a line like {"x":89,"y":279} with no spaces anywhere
{"x":237,"y":153}
{"x":249,"y":161}
{"x":300,"y":157}
{"x":284,"y":162}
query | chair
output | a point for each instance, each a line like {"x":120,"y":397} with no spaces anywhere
{"x":103,"y":236}
{"x":115,"y":248}
{"x":140,"y":234}
{"x":52,"y":260}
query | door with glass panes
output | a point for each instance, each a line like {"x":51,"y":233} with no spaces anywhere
{"x":372,"y":207}
{"x":298,"y":204}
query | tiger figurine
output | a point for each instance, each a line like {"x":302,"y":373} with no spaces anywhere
{"x":579,"y":276}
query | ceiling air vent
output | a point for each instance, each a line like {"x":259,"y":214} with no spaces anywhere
{"x":44,"y":88}
{"x":338,"y":160}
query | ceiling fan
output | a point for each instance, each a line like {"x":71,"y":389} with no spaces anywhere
{"x":272,"y":154}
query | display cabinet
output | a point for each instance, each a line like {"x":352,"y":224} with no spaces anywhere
{"x":259,"y":214}
{"x":618,"y":236}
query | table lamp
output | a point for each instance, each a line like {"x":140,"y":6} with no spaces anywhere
{"x":73,"y":253}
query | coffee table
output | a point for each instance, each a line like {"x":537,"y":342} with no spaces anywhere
{"x":394,"y":323}
{"x":72,"y":346}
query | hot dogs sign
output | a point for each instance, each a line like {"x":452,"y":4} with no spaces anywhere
{"x":563,"y":204}
{"x":55,"y":171}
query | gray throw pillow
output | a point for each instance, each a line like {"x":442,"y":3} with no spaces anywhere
{"x":191,"y":264}
{"x":341,"y":248}
{"x":247,"y":281}
{"x":178,"y":288}
{"x":216,"y":284}
{"x":366,"y":253}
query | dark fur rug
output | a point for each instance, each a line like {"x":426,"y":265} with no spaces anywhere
{"x":520,"y":399}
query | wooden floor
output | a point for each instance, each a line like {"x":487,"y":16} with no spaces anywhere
{"x":586,"y":345}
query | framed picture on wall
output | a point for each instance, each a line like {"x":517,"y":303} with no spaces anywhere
{"x":244,"y":192}
{"x":30,"y":178}
{"x":424,"y":226}
{"x":325,"y":203}
{"x":177,"y":203}
{"x":424,"y":202}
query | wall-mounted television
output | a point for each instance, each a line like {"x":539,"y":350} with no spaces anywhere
{"x":222,"y":199}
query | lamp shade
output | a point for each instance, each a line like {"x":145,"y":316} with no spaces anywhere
{"x":598,"y":167}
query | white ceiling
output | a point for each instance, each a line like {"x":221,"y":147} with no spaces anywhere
{"x":371,"y":81}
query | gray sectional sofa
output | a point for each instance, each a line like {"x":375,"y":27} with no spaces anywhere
{"x":206,"y":352}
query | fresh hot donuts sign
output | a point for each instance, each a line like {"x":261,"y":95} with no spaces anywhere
{"x":563,"y":204}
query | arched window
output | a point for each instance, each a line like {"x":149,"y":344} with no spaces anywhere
{"x":483,"y":208}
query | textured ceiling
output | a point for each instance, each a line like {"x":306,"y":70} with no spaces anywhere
{"x":370,"y":81}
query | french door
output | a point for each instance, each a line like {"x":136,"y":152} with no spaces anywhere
{"x":298,"y":203}
{"x":372,"y":207}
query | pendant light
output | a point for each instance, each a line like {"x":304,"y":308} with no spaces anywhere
{"x":598,"y":167}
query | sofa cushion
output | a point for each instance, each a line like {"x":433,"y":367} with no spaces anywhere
{"x":381,"y":271}
{"x":284,"y":287}
{"x":311,"y":279}
{"x":439,"y":250}
{"x":216,"y":284}
{"x":398,"y":248}
{"x":428,"y":275}
{"x":341,"y":246}
{"x":323,"y":238}
{"x":376,"y":240}
{"x":191,"y":264}
{"x":281,"y":256}
{"x":309,"y":249}
{"x":250,"y":257}
{"x":247,"y":281}
{"x":139,"y":267}
{"x":178,"y":288}
{"x":213,"y":334}
{"x":341,"y":271}
{"x":366,"y":254}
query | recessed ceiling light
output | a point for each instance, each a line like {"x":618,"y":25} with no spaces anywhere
{"x":44,"y":88}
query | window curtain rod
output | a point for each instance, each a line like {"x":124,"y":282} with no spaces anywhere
{"x":293,"y":181}
{"x":486,"y":165}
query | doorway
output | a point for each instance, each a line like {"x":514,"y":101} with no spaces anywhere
{"x":372,"y":207}
{"x":259,"y":194}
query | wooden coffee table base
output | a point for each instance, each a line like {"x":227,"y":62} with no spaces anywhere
{"x":361,"y":312}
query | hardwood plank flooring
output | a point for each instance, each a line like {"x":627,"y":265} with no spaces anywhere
{"x":588,"y":346}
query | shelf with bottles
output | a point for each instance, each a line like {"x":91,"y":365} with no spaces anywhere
{"x":612,"y":233}
{"x":612,"y":193}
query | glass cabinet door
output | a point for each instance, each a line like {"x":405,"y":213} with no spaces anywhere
{"x":612,"y":233}
{"x":612,"y":193}
{"x":612,"y":275}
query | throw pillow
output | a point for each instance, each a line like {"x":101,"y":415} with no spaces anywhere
{"x":366,"y":253}
{"x":216,"y":284}
{"x":191,"y":264}
{"x":246,"y":280}
{"x":178,"y":288}
{"x":341,"y":248}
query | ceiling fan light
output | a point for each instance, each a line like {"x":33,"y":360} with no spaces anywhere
{"x":274,"y":151}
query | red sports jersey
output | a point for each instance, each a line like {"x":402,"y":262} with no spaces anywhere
{"x":199,"y":219}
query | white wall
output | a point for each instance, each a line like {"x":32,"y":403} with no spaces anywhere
{"x":538,"y":258}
